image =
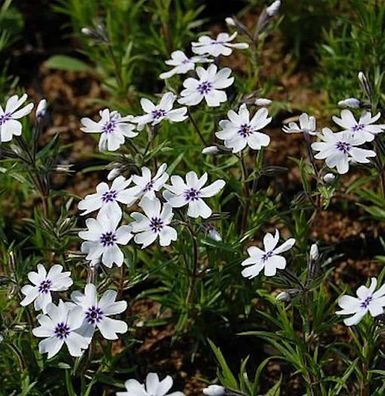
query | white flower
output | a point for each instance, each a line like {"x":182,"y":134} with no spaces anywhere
{"x":241,"y":131}
{"x":147,"y":185}
{"x":214,"y":390}
{"x":273,"y":8}
{"x":191,"y":193}
{"x":182,"y":64}
{"x":107,"y":198}
{"x":368,"y":301}
{"x":154,"y":223}
{"x":220,"y":46}
{"x":208,"y":86}
{"x":163,"y":111}
{"x":306,"y":125}
{"x":112,"y":127}
{"x":339,"y":148}
{"x":350,"y":102}
{"x":43,"y":284}
{"x":268,"y":259}
{"x":9,"y":124}
{"x":102,"y":239}
{"x":96,"y":312}
{"x":60,"y":326}
{"x":362,"y":127}
{"x":154,"y":387}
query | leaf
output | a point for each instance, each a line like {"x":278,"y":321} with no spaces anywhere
{"x":274,"y":391}
{"x":64,"y":62}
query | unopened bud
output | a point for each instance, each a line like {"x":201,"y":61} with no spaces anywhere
{"x":314,"y":252}
{"x":214,"y":234}
{"x":273,"y":8}
{"x":353,"y":103}
{"x":329,"y":178}
{"x":114,"y":173}
{"x":214,"y":390}
{"x":230,"y":21}
{"x":365,"y":84}
{"x":41,"y":109}
{"x":87,"y":32}
{"x":210,"y":150}
{"x":262,"y":102}
{"x":283,"y":296}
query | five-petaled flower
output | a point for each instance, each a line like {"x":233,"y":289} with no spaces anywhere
{"x":268,"y":259}
{"x":153,"y":387}
{"x":103,"y":237}
{"x":112,"y":127}
{"x":96,"y":312}
{"x":43,"y":284}
{"x":163,"y":111}
{"x":182,"y":64}
{"x":9,"y":124}
{"x":154,"y":223}
{"x":367,"y":300}
{"x":222,"y":45}
{"x":61,"y":326}
{"x":361,"y":128}
{"x":307,"y":125}
{"x":239,"y":131}
{"x":208,"y":87}
{"x":191,"y":193}
{"x":147,"y":185}
{"x":107,"y":198}
{"x":338,"y":149}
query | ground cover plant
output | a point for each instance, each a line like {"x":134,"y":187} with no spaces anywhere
{"x":192,"y":198}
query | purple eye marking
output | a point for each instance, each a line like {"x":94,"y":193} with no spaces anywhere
{"x":45,"y":286}
{"x":62,"y":331}
{"x":109,"y":126}
{"x":267,"y":255}
{"x":344,"y":147}
{"x":108,"y":239}
{"x":366,"y":302}
{"x":245,"y":130}
{"x":94,"y":315}
{"x":4,"y":118}
{"x":358,"y":127}
{"x":204,"y":87}
{"x":149,"y":186}
{"x":158,"y":113}
{"x":156,"y":224}
{"x":192,"y":194}
{"x":109,"y":196}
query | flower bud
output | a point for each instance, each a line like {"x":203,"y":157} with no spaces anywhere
{"x":214,"y":234}
{"x":329,"y":178}
{"x":353,"y":103}
{"x":230,"y":21}
{"x":273,"y":8}
{"x":210,"y":150}
{"x":87,"y":32}
{"x":214,"y":390}
{"x":283,"y":296}
{"x":114,"y":173}
{"x":262,"y":102}
{"x":314,"y":252}
{"x":41,"y":109}
{"x":365,"y":84}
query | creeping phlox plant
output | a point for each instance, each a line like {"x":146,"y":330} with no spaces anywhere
{"x":147,"y":205}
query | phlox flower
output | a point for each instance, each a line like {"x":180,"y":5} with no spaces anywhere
{"x":239,"y":131}
{"x":43,"y":284}
{"x":307,"y":124}
{"x":9,"y":124}
{"x":108,"y":198}
{"x":367,"y":300}
{"x":182,"y":64}
{"x":96,"y":312}
{"x":268,"y":259}
{"x":153,"y":224}
{"x":60,"y":326}
{"x":208,"y":86}
{"x":338,"y":149}
{"x":191,"y":192}
{"x":153,"y":387}
{"x":163,"y":111}
{"x":222,"y":45}
{"x":112,"y":127}
{"x":361,"y":128}
{"x":103,"y":237}
{"x":147,"y":185}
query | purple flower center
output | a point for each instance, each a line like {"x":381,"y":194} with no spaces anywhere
{"x":188,"y":60}
{"x":4,"y":118}
{"x":62,"y":331}
{"x":358,"y":127}
{"x":205,"y":87}
{"x":192,"y":194}
{"x":156,"y":224}
{"x":158,"y":113}
{"x":344,"y":147}
{"x":149,"y":186}
{"x":109,"y":126}
{"x":109,"y":196}
{"x":108,"y":239}
{"x":366,"y":302}
{"x":267,"y":255}
{"x":245,"y":130}
{"x":45,"y":286}
{"x":94,"y":315}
